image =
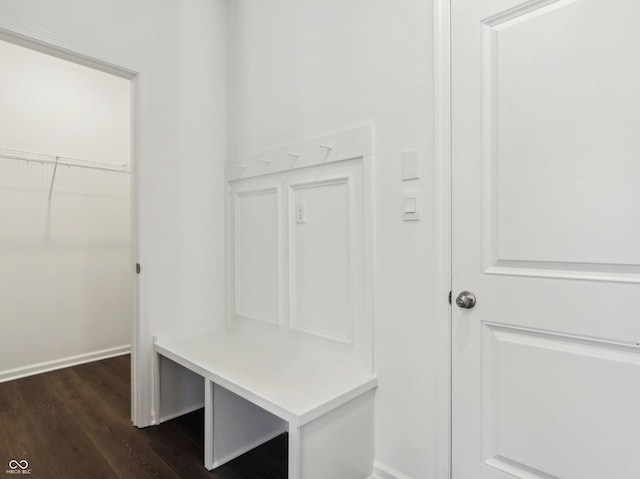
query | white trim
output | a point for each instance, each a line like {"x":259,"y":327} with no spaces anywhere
{"x":442,"y":101}
{"x":237,"y":313}
{"x":382,"y":471}
{"x":33,"y":369}
{"x":254,"y":171}
{"x":142,"y":351}
{"x":369,"y":230}
{"x":60,"y":47}
{"x":560,"y":270}
{"x":293,"y":317}
{"x":330,"y":148}
{"x":142,"y":344}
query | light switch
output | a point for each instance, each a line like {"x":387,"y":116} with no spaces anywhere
{"x":410,"y":165}
{"x":410,"y":206}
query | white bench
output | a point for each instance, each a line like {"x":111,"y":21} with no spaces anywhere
{"x":327,"y":410}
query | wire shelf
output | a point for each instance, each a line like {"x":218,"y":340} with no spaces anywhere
{"x":29,"y":156}
{"x":56,"y":161}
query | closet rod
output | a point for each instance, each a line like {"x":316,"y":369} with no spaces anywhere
{"x":61,"y":160}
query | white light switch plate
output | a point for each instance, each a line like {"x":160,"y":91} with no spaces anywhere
{"x":411,"y":205}
{"x":410,"y":165}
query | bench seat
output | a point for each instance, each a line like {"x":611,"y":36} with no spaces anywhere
{"x":334,"y":402}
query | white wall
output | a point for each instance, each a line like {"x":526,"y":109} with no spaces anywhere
{"x":178,"y":49}
{"x":54,"y":106}
{"x":300,"y":68}
{"x":297,"y":68}
{"x":65,"y":265}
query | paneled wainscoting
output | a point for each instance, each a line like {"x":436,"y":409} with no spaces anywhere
{"x":75,"y":423}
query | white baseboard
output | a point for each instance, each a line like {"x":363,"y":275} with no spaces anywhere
{"x":382,"y":471}
{"x":182,"y":412}
{"x":33,"y":369}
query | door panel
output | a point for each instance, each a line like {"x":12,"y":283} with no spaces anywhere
{"x":566,"y":383}
{"x":562,"y":136}
{"x":546,"y":228}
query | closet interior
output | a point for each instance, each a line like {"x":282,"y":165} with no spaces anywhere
{"x":66,"y":269}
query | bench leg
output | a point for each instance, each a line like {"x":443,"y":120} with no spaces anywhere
{"x":294,"y":452}
{"x":208,"y":424}
{"x":338,"y":444}
{"x":155,"y":414}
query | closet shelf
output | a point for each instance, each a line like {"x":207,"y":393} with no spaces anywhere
{"x":29,"y":156}
{"x":56,"y":161}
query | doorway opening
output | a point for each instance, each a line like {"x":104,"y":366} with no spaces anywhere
{"x":68,"y":208}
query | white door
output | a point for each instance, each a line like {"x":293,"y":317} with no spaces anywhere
{"x":546,"y":228}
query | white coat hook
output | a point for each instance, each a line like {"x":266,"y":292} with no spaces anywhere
{"x":325,"y":146}
{"x":242,"y":166}
{"x":294,"y":157}
{"x":266,"y":161}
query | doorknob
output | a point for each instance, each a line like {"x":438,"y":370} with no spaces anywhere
{"x":466,"y":300}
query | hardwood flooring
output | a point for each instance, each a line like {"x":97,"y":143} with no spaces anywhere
{"x":75,"y":423}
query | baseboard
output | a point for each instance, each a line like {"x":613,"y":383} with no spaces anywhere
{"x":382,"y":471}
{"x":39,"y":368}
{"x":182,"y":412}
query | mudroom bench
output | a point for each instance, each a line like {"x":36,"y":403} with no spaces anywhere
{"x":326,"y":409}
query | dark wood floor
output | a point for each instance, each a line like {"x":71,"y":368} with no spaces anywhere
{"x":75,"y":423}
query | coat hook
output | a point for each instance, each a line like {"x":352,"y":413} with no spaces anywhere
{"x":241,"y":166}
{"x":328,"y":147}
{"x":295,"y":156}
{"x":268,"y":162}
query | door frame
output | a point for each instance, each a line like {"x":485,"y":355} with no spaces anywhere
{"x":141,"y":342}
{"x":443,"y":214}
